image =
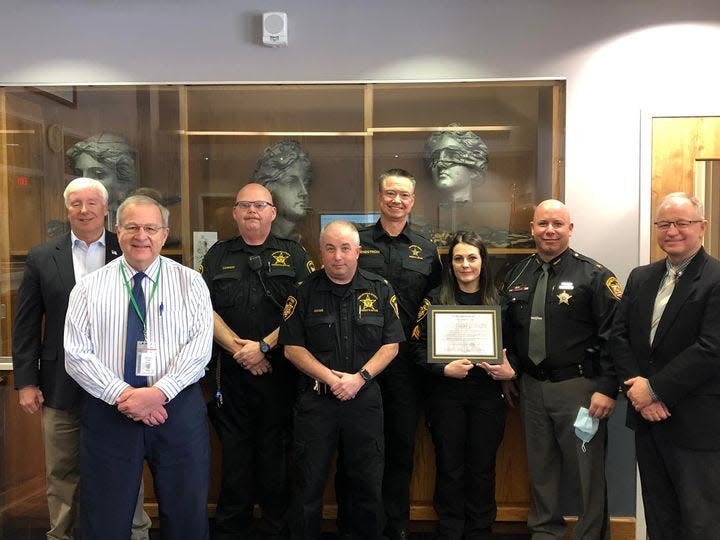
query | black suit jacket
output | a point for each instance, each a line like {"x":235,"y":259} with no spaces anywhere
{"x":683,"y":363}
{"x":38,"y":352}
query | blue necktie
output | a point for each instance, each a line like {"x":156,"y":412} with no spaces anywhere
{"x":135,"y":333}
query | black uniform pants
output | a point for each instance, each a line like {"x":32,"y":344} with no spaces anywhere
{"x":253,"y":427}
{"x":680,"y":486}
{"x":467,"y":422}
{"x":322,"y":425}
{"x":402,"y":385}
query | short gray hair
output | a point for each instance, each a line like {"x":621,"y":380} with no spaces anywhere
{"x":344,"y":225}
{"x":697,"y":203}
{"x":142,"y":200}
{"x":84,"y":183}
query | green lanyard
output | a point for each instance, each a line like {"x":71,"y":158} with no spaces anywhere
{"x":132,"y":297}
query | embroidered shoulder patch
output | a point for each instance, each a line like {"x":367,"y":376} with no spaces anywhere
{"x":423,"y":309}
{"x":289,"y":308}
{"x":614,"y":287}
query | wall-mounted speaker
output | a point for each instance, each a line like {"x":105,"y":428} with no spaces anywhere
{"x":275,"y":29}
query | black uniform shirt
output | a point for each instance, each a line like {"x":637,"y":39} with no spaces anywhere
{"x":409,"y":261}
{"x":343,"y":327}
{"x":580,"y":303}
{"x":233,"y":272}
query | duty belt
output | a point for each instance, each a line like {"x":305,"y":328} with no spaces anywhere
{"x":555,"y":375}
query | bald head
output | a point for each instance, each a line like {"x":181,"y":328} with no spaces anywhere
{"x":254,"y":223}
{"x":340,"y":249}
{"x":551,"y":205}
{"x":551,"y":229}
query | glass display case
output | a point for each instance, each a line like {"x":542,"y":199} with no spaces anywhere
{"x":483,"y":153}
{"x":195,"y":146}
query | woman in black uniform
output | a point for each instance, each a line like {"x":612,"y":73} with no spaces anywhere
{"x":466,"y":411}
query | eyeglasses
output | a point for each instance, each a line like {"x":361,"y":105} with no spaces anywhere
{"x":150,"y":230}
{"x":392,"y":195}
{"x":257,"y":205}
{"x":680,"y":224}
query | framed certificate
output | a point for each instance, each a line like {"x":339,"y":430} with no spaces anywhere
{"x":471,"y":332}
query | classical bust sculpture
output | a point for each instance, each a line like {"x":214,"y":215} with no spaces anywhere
{"x":457,"y":161}
{"x":109,"y":158}
{"x":284,"y":169}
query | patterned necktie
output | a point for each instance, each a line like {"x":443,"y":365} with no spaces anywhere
{"x":536,"y":337}
{"x":135,"y":333}
{"x":661,"y":300}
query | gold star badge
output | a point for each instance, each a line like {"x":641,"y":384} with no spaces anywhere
{"x":564,"y":298}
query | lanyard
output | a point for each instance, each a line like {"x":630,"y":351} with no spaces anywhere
{"x":132,"y":297}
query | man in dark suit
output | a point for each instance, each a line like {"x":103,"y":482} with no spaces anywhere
{"x":51,"y":271}
{"x":666,"y":346}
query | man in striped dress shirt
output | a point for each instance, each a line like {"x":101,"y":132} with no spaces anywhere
{"x":145,"y":404}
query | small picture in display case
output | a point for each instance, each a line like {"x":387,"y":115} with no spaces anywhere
{"x":359,"y":220}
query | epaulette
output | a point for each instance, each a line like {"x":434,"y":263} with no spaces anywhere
{"x":586,"y":259}
{"x":370,"y":276}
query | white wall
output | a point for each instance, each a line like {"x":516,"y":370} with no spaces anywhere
{"x":618,"y":56}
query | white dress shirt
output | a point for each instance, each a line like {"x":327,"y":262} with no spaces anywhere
{"x":87,"y":258}
{"x":179,"y":322}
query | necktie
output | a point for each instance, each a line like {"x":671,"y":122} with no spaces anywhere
{"x":135,"y":333}
{"x":536,"y":337}
{"x":661,"y":301}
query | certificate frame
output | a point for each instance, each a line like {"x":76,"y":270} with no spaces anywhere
{"x":443,"y":321}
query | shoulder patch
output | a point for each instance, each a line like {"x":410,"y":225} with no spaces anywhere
{"x":416,"y":332}
{"x":614,"y":287}
{"x":201,"y":268}
{"x":310,"y":266}
{"x":394,"y":305}
{"x":422,"y":312}
{"x":289,"y":308}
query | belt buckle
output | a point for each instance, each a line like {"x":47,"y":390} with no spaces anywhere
{"x":320,"y":388}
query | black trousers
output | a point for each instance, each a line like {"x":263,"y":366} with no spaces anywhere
{"x":112,"y":451}
{"x":467,"y":422}
{"x":680,"y":487}
{"x":324,"y":424}
{"x":402,"y":391}
{"x":253,"y":427}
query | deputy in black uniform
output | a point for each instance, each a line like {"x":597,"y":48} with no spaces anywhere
{"x":250,"y":277}
{"x":564,"y":366}
{"x":466,"y":409}
{"x":411,"y":264}
{"x":341,"y":330}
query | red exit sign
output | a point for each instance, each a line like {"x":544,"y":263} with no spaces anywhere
{"x":23,"y":181}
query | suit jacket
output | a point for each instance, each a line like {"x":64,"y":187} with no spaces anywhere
{"x":683,"y":363}
{"x":38,"y":352}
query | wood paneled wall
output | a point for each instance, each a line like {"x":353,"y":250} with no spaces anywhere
{"x":677,"y":142}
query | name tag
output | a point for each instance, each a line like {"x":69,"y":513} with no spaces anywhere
{"x":566,"y":286}
{"x":146,"y":361}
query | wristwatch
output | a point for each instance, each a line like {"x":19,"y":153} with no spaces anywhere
{"x":365,"y":374}
{"x":264,"y":347}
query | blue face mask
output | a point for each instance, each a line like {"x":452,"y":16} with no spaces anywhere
{"x":585,"y":426}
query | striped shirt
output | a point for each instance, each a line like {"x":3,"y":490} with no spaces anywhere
{"x":179,"y":323}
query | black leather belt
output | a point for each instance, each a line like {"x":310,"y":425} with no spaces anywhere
{"x":555,"y":375}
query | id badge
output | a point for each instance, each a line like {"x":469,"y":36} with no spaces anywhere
{"x":146,"y":360}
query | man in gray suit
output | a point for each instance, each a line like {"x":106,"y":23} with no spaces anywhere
{"x":51,"y":270}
